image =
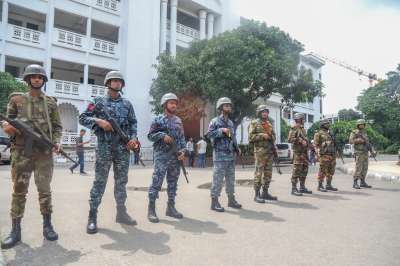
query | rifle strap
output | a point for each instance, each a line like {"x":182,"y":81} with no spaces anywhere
{"x":46,"y":110}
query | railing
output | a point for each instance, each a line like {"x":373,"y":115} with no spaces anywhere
{"x":112,"y":5}
{"x":69,"y":139}
{"x":185,"y":30}
{"x":66,"y":87}
{"x":96,"y":90}
{"x":104,"y":46}
{"x":25,"y":34}
{"x":69,"y":38}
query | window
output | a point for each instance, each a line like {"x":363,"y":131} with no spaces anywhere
{"x":15,"y":22}
{"x":13,"y":70}
{"x":310,"y":119}
{"x":32,"y":26}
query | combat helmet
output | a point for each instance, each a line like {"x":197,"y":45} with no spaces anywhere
{"x":167,"y":97}
{"x":222,"y":101}
{"x":34,"y":69}
{"x":114,"y":75}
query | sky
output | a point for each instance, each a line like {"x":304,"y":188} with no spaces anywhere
{"x":363,"y":33}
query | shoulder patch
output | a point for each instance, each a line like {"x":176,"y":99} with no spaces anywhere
{"x":14,"y":94}
{"x":51,"y":99}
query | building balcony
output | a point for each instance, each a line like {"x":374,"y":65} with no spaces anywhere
{"x":108,"y":5}
{"x":184,"y":33}
{"x":96,"y":90}
{"x":69,"y":39}
{"x":67,"y":89}
{"x":103,"y":47}
{"x":69,"y":139}
{"x":25,"y":36}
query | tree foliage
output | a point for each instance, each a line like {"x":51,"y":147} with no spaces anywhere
{"x":245,"y":64}
{"x":284,"y":130}
{"x":342,"y":130}
{"x":8,"y":85}
{"x":381,"y":104}
{"x":348,"y":115}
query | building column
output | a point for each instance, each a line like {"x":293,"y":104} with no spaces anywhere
{"x":174,"y":16}
{"x":49,"y":32}
{"x":4,"y":20}
{"x":86,"y":93}
{"x":163,"y":26}
{"x":202,"y":17}
{"x":210,"y":26}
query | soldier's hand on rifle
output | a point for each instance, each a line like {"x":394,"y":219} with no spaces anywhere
{"x":57,"y":148}
{"x":181,"y":156}
{"x":226,"y":131}
{"x":9,"y":129}
{"x":104,"y":124}
{"x":266,"y":136}
{"x":359,"y":141}
{"x":304,"y":142}
{"x":167,"y":139}
{"x":132,"y":145}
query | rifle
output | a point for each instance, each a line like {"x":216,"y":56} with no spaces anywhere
{"x":31,"y":135}
{"x":276,"y":159}
{"x":369,"y":147}
{"x":117,"y":129}
{"x":309,"y":145}
{"x":333,"y":136}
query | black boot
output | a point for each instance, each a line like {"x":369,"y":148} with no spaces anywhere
{"x":321,"y":187}
{"x":91,"y":227}
{"x":364,"y":184}
{"x":303,"y":188}
{"x":151,"y":213}
{"x":257,"y":197}
{"x":48,"y":230}
{"x":123,"y":217}
{"x":355,"y":184}
{"x":171,"y":210}
{"x":265,"y":195}
{"x":215,"y":206}
{"x":330,"y":187}
{"x":295,"y":192}
{"x":15,"y":235}
{"x":233,"y":203}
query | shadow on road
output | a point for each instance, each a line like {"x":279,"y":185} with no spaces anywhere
{"x":294,"y":205}
{"x":386,"y":189}
{"x":354,"y":192}
{"x":195,"y":226}
{"x":50,"y":253}
{"x":328,"y":196}
{"x":135,"y":239}
{"x":256,"y":215}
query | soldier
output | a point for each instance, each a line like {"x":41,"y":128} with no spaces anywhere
{"x":223,"y":139}
{"x":327,"y":156}
{"x":41,"y":113}
{"x":110,"y":149}
{"x":167,"y":133}
{"x":262,"y":137}
{"x":361,"y":144}
{"x":298,"y":137}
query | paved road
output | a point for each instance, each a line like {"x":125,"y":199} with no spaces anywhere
{"x":344,"y":228}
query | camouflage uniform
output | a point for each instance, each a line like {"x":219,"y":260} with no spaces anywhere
{"x":361,"y":153}
{"x":110,"y":149}
{"x":223,"y":156}
{"x":327,"y":155}
{"x":41,"y":113}
{"x":300,"y":161}
{"x":263,"y":151}
{"x":165,"y":163}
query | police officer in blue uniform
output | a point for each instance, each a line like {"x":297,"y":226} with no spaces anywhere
{"x":110,"y":149}
{"x":166,"y":133}
{"x":221,"y":132}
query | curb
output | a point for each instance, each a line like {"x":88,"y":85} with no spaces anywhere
{"x":2,"y":261}
{"x":371,"y":174}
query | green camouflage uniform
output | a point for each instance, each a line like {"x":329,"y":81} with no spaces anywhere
{"x":327,"y":155}
{"x":361,"y":152}
{"x":263,"y":152}
{"x":42,"y":113}
{"x":300,"y":152}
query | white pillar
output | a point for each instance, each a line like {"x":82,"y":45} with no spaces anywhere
{"x":210,"y":26}
{"x":86,"y":93}
{"x":163,"y":26}
{"x":202,"y":17}
{"x":174,"y":15}
{"x":4,"y":18}
{"x":49,"y":33}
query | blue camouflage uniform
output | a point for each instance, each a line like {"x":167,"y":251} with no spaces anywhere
{"x":224,"y":154}
{"x":165,"y":163}
{"x":110,"y":149}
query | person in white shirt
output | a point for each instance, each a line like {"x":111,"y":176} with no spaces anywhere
{"x":201,"y":153}
{"x":190,"y":149}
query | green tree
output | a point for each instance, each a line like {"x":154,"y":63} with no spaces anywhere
{"x":342,"y":130}
{"x":380,"y":104}
{"x":348,"y":115}
{"x":245,"y":64}
{"x":284,"y":130}
{"x":8,"y":85}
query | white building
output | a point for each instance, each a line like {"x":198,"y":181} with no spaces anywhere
{"x":78,"y":42}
